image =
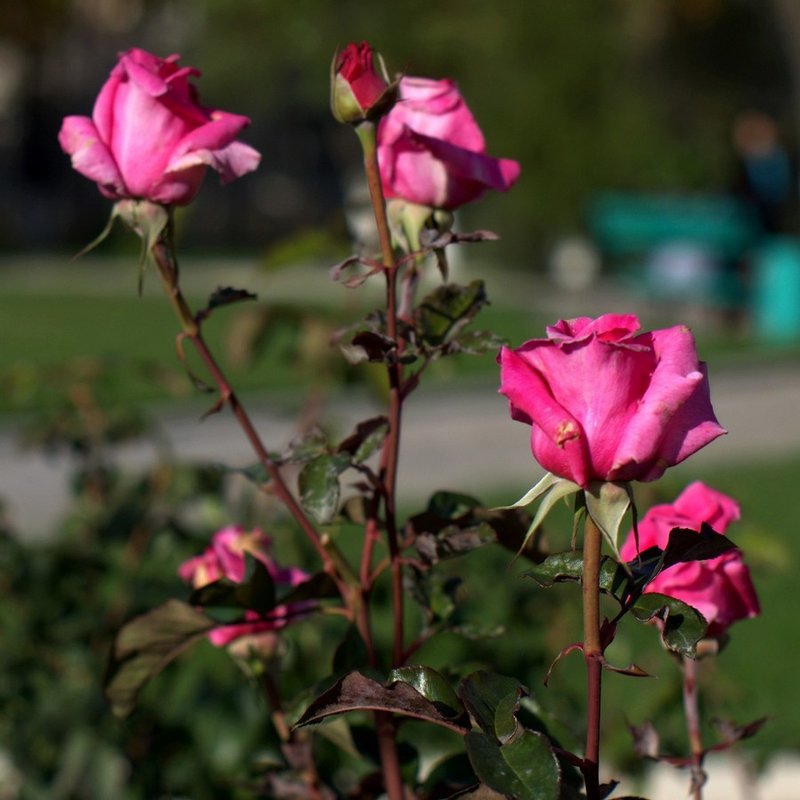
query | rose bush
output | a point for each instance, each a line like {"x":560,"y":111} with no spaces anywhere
{"x":432,"y":152}
{"x":148,"y":138}
{"x":356,"y":88}
{"x":606,"y":404}
{"x":719,"y":588}
{"x":225,"y":558}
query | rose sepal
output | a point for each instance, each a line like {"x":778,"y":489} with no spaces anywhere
{"x":606,"y":503}
{"x":550,"y":489}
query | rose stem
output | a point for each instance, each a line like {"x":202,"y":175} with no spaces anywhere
{"x":592,"y":654}
{"x":692,"y":713}
{"x":391,"y":449}
{"x":389,"y":455}
{"x":166,"y":264}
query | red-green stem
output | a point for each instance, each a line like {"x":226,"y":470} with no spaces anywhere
{"x":692,"y":713}
{"x":391,"y":450}
{"x":389,"y":457}
{"x":593,"y":655}
{"x":168,"y":271}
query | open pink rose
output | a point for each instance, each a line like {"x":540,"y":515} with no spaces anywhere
{"x":719,"y":588}
{"x":225,"y":558}
{"x":606,"y":404}
{"x":149,"y":139}
{"x":432,"y":152}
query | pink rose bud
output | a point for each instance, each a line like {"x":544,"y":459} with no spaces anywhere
{"x":358,"y":92}
{"x":606,"y":404}
{"x":225,"y":558}
{"x":432,"y":152}
{"x":719,"y":588}
{"x":149,"y":139}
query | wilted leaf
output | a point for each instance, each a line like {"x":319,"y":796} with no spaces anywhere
{"x":304,"y":448}
{"x":732,"y":733}
{"x":365,"y":439}
{"x":357,"y":692}
{"x":376,"y":346}
{"x":223,"y":296}
{"x":452,"y":542}
{"x":475,"y":343}
{"x":685,"y":544}
{"x":646,"y":741}
{"x":525,"y":769}
{"x":319,"y":485}
{"x":256,"y":593}
{"x":319,"y":586}
{"x":145,"y":645}
{"x":681,"y":626}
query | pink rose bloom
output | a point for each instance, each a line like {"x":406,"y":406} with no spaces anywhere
{"x":225,"y":558}
{"x":606,"y":404}
{"x":148,"y":137}
{"x":719,"y":588}
{"x":357,"y":88}
{"x":432,"y":152}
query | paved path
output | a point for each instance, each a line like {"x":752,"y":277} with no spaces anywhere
{"x":458,"y":439}
{"x":461,"y":440}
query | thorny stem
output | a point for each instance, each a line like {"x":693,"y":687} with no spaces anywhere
{"x":692,"y":713}
{"x":387,"y":744}
{"x":593,"y":655}
{"x":168,"y":271}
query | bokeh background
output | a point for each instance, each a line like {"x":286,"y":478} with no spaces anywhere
{"x":658,"y":143}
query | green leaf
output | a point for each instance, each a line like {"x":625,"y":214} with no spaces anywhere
{"x":562,"y":567}
{"x":606,"y":504}
{"x":432,"y":685}
{"x":351,"y":652}
{"x":319,"y":485}
{"x":365,"y":439}
{"x":525,"y":769}
{"x":681,"y":626}
{"x":492,"y":700}
{"x":145,"y":645}
{"x":446,"y":310}
{"x":306,"y":447}
{"x":357,"y":692}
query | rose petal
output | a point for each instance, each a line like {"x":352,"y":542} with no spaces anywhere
{"x":80,"y":139}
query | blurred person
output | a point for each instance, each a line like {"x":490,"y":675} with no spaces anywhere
{"x":765,"y":175}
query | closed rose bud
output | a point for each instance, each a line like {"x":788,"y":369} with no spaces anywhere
{"x":358,"y":92}
{"x":719,"y":588}
{"x":605,"y":403}
{"x":149,"y":138}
